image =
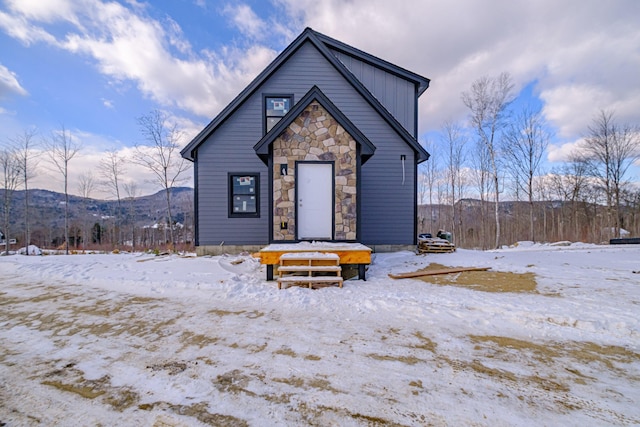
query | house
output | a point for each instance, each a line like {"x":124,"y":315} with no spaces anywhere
{"x":321,"y":146}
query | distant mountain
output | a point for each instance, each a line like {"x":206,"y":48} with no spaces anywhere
{"x":46,"y":209}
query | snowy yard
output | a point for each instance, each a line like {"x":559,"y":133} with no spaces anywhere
{"x":133,"y":339}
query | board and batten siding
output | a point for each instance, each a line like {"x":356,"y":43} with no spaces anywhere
{"x":387,"y":206}
{"x":396,"y":94}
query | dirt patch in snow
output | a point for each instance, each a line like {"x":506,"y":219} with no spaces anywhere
{"x":565,"y":362}
{"x":547,"y":353}
{"x":198,"y":411}
{"x":71,"y":379}
{"x":486,"y":281}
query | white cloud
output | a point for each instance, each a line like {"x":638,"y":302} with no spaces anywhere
{"x":187,"y":127}
{"x":44,"y":11}
{"x":9,"y":84}
{"x":583,"y":54}
{"x":563,"y":101}
{"x":20,"y":28}
{"x":176,"y":37}
{"x":129,"y":46}
{"x":201,"y":3}
{"x":563,"y":152}
{"x":246,"y":20}
{"x":276,"y":29}
{"x":86,"y":162}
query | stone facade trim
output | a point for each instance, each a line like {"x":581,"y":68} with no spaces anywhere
{"x":315,"y":136}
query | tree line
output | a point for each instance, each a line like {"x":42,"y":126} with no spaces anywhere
{"x":499,"y":151}
{"x":26,"y":155}
{"x":496,"y":154}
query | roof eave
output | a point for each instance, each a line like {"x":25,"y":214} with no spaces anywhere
{"x":187,"y":151}
{"x":318,"y":40}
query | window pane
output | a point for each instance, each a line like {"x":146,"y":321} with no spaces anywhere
{"x":244,"y":185}
{"x":243,"y":195}
{"x":271,"y":122}
{"x":244,"y":204}
{"x":277,"y":107}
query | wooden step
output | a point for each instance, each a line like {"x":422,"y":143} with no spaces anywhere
{"x":326,"y":279}
{"x":308,"y":256}
{"x":295,"y":268}
{"x":310,"y":280}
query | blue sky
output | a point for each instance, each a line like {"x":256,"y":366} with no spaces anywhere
{"x":95,"y":66}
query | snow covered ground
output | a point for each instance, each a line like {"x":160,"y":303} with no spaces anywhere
{"x":133,"y":339}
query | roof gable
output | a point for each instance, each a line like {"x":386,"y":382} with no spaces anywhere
{"x":421,"y":82}
{"x":315,"y":94}
{"x":318,"y":40}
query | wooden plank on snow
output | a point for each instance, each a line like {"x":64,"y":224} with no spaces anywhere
{"x":436,"y":272}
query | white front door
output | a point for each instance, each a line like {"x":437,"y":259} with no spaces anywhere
{"x":315,"y":201}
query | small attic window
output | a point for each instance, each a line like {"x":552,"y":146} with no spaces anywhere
{"x":275,"y":108}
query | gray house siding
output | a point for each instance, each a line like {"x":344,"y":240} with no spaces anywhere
{"x":229,"y":150}
{"x":387,"y":205}
{"x":396,"y":94}
{"x":383,"y":196}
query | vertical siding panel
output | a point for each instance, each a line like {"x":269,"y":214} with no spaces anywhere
{"x":396,"y":94}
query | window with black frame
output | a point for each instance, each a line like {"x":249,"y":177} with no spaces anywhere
{"x":275,"y":108}
{"x":244,"y":194}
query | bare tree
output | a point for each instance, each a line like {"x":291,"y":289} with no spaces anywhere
{"x":24,"y":145}
{"x":111,"y":169}
{"x":480,"y":177}
{"x":422,"y":196}
{"x":10,"y":176}
{"x":570,"y":184}
{"x":427,"y":181}
{"x":631,"y":199}
{"x":86,"y":186}
{"x":611,"y":149}
{"x":61,"y":149}
{"x":487,"y":100}
{"x":526,"y":141}
{"x":161,"y":156}
{"x":455,"y":141}
{"x":131,"y":188}
{"x":543,"y":190}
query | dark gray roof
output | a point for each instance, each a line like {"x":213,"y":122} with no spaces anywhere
{"x":323,"y":44}
{"x":315,"y":94}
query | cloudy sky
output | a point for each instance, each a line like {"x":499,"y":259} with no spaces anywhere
{"x":94,"y":66}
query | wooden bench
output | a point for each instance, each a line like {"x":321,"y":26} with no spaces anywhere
{"x":291,"y":264}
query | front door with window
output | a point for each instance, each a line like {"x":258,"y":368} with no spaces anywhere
{"x":314,"y":215}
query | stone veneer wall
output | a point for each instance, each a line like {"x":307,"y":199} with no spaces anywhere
{"x":315,"y":135}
